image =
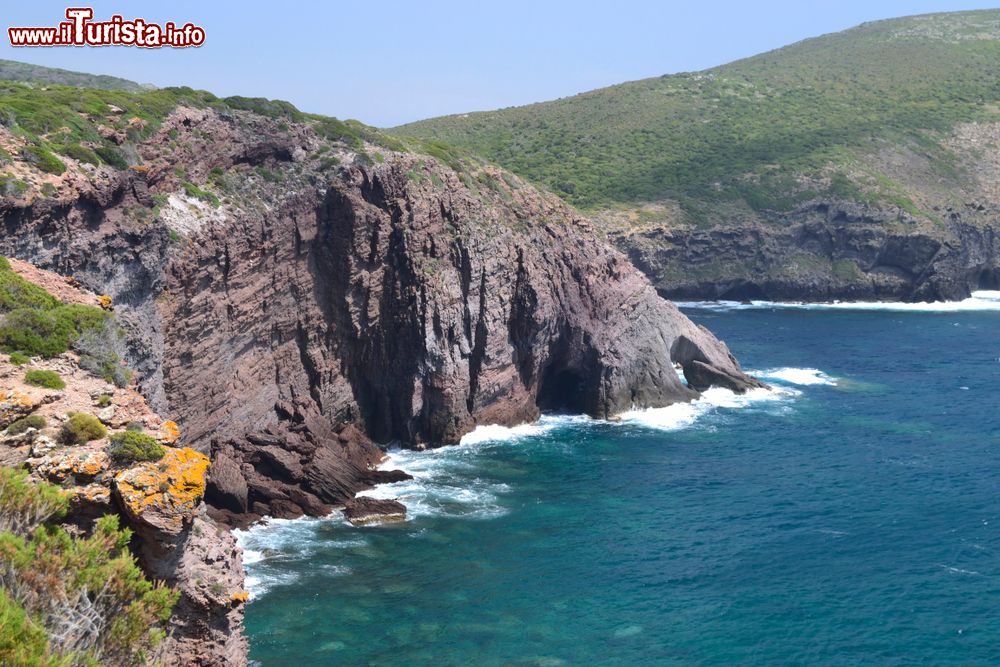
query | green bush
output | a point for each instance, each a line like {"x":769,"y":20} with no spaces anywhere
{"x":19,"y":359}
{"x":47,"y":379}
{"x":104,"y":400}
{"x":12,"y":187}
{"x":16,"y":292}
{"x":43,"y":159}
{"x":23,"y":641}
{"x":81,"y":428}
{"x":193,"y":190}
{"x":36,"y":332}
{"x":24,"y":505}
{"x":112,"y":156}
{"x":99,"y":352}
{"x":80,"y":153}
{"x":132,"y":446}
{"x":89,"y":593}
{"x":24,"y":423}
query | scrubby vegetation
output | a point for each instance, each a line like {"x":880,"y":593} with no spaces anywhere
{"x":19,"y":359}
{"x":15,"y":71}
{"x":47,"y":379}
{"x":767,"y":131}
{"x":24,"y":423}
{"x":69,"y":600}
{"x":35,"y":323}
{"x":81,"y":428}
{"x":76,"y":122}
{"x":132,"y":446}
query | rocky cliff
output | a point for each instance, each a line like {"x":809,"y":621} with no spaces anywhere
{"x":296,"y":302}
{"x":161,"y":501}
{"x":825,"y":251}
{"x":333,"y":301}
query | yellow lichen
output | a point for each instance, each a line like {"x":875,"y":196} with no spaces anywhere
{"x":170,"y":488}
{"x":169,"y":432}
{"x":105,"y":301}
{"x":242,"y":596}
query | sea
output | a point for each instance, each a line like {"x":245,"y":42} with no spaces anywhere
{"x":848,"y":515}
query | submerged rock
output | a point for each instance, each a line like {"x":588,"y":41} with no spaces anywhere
{"x":364,"y":511}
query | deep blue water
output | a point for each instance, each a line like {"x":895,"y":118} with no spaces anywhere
{"x":853,"y":520}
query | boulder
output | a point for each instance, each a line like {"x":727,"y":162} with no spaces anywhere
{"x":364,"y":511}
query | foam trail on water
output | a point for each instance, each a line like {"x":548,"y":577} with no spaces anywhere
{"x":982,"y":300}
{"x":799,"y":376}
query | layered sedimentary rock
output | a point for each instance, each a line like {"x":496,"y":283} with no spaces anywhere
{"x":826,"y":250}
{"x":333,"y":303}
{"x":321,"y":312}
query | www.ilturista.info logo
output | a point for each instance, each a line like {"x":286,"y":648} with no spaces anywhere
{"x":81,"y":30}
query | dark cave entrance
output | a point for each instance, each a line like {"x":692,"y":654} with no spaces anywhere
{"x":562,"y":390}
{"x":989,"y":279}
{"x":743,"y":291}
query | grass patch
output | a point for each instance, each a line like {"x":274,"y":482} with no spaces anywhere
{"x":46,"y":379}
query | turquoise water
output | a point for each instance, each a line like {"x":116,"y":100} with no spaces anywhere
{"x":849,"y":517}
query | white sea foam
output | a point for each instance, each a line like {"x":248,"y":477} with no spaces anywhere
{"x":445,"y":482}
{"x":272,"y":542}
{"x":799,"y":376}
{"x":681,"y":415}
{"x":979,"y":301}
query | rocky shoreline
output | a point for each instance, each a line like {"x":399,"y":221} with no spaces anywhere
{"x":319,"y":312}
{"x":825,"y":251}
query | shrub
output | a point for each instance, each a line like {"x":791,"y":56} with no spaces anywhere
{"x":19,"y":359}
{"x":132,"y":446}
{"x":24,"y":506}
{"x":16,"y":292}
{"x":112,"y":156}
{"x":12,"y":187}
{"x":43,"y":159}
{"x":23,"y":641}
{"x":47,"y":379}
{"x":135,"y":427}
{"x":99,"y":349}
{"x":104,"y":400}
{"x":37,"y":331}
{"x":80,"y":153}
{"x":81,"y":428}
{"x":24,"y":423}
{"x":193,"y":190}
{"x":90,"y":593}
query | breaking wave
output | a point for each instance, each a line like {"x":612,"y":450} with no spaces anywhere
{"x":979,"y":301}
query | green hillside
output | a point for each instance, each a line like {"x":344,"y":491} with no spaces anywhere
{"x":764,"y":133}
{"x":14,"y":71}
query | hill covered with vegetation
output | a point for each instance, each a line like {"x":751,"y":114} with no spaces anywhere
{"x":769,"y":131}
{"x":11,"y":70}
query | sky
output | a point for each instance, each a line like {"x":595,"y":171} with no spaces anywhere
{"x":392,"y":62}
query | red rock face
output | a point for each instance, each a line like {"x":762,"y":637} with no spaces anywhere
{"x":318,"y":314}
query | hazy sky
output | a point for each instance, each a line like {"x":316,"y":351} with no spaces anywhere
{"x":391,"y":61}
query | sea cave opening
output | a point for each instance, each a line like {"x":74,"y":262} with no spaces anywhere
{"x":562,"y":390}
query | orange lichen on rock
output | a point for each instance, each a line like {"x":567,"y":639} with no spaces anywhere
{"x":13,"y":406}
{"x":105,"y":301}
{"x":164,"y":494}
{"x":240,"y":597}
{"x":169,"y":433}
{"x":70,"y":464}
